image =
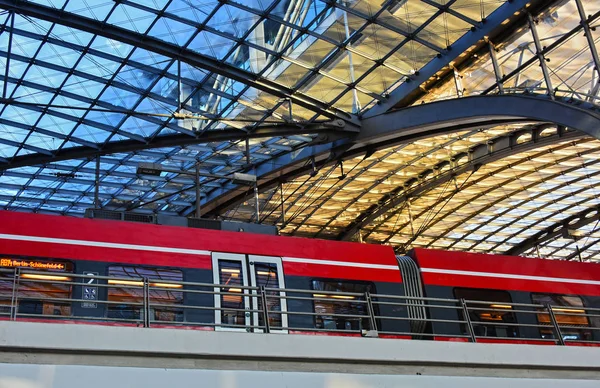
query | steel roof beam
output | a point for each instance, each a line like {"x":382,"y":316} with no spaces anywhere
{"x":480,"y":155}
{"x":173,"y":51}
{"x":553,"y":231}
{"x":491,"y":26}
{"x":417,"y":122}
{"x":42,"y":156}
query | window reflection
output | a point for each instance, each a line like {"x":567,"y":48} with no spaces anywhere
{"x":494,"y":306}
{"x":164,"y":293}
{"x":267,"y":276}
{"x":38,"y":293}
{"x":232,"y":303}
{"x":327,"y":306}
{"x":568,"y":311}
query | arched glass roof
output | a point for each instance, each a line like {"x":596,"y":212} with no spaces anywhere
{"x":234,"y":86}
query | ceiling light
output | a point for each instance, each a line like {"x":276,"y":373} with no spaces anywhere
{"x":45,"y":277}
{"x":166,"y":285}
{"x":561,"y":309}
{"x":333,"y":296}
{"x":501,"y":306}
{"x":125,"y":282}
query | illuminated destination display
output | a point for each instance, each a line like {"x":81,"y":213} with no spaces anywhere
{"x":33,"y":264}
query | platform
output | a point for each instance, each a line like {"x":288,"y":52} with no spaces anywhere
{"x":39,"y":355}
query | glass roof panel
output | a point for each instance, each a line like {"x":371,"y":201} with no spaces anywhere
{"x":77,"y":89}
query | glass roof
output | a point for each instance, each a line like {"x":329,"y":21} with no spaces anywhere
{"x":66,"y":87}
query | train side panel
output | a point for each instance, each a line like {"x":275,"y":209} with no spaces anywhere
{"x":446,"y":273}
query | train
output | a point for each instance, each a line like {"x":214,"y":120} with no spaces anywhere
{"x":89,"y":270}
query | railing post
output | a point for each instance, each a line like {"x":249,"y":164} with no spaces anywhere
{"x":265,"y":308}
{"x":371,"y":311}
{"x":146,"y":299}
{"x":14,"y":299}
{"x":557,"y":333}
{"x":470,"y":330}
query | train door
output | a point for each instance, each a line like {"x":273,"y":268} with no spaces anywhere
{"x":235,"y":272}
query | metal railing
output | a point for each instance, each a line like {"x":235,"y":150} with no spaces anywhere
{"x":143,"y":302}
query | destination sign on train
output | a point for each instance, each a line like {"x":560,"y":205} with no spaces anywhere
{"x":33,"y":264}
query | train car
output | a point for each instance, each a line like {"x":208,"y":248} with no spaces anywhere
{"x":502,"y":283}
{"x":182,"y":257}
{"x":105,"y":272}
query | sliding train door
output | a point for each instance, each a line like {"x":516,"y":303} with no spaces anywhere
{"x":267,"y":272}
{"x":237,"y":304}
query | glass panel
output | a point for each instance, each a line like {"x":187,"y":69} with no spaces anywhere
{"x":327,"y":306}
{"x":499,"y":311}
{"x":163,"y":293}
{"x":32,"y":293}
{"x":267,"y":275}
{"x":571,"y":314}
{"x":231,"y":275}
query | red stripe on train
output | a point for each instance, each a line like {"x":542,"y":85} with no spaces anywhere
{"x":181,"y":260}
{"x":190,"y":238}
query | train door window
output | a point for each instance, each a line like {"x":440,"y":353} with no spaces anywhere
{"x":43,"y":286}
{"x":236,"y":273}
{"x":352,"y":308}
{"x":569,"y":313}
{"x":266,"y":272}
{"x":490,"y":312}
{"x":126,"y":294}
{"x":231,"y":302}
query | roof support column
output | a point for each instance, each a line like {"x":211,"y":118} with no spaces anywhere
{"x":460,"y":90}
{"x":539,"y":53}
{"x":590,"y":39}
{"x":497,"y":70}
{"x":9,"y":51}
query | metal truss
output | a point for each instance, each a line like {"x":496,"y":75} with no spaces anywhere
{"x":480,"y":155}
{"x":418,"y":122}
{"x":482,"y":194}
{"x":327,"y":130}
{"x":575,"y":221}
{"x":170,"y":51}
{"x":538,"y":195}
{"x":492,"y":26}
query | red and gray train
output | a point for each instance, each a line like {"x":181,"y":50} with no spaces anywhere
{"x":177,"y":259}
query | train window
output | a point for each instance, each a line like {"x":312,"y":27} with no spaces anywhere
{"x":127,"y":293}
{"x":327,"y":306}
{"x":489,"y":311}
{"x":41,"y":286}
{"x":233,"y":305}
{"x":569,"y":312}
{"x":266,"y":275}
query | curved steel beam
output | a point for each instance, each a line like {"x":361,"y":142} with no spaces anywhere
{"x":560,"y":228}
{"x":494,"y":24}
{"x":478,"y":156}
{"x":417,"y":122}
{"x":326,"y":131}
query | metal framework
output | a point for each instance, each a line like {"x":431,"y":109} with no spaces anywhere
{"x":478,"y":156}
{"x":306,"y":95}
{"x":422,"y":121}
{"x":573,"y":222}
